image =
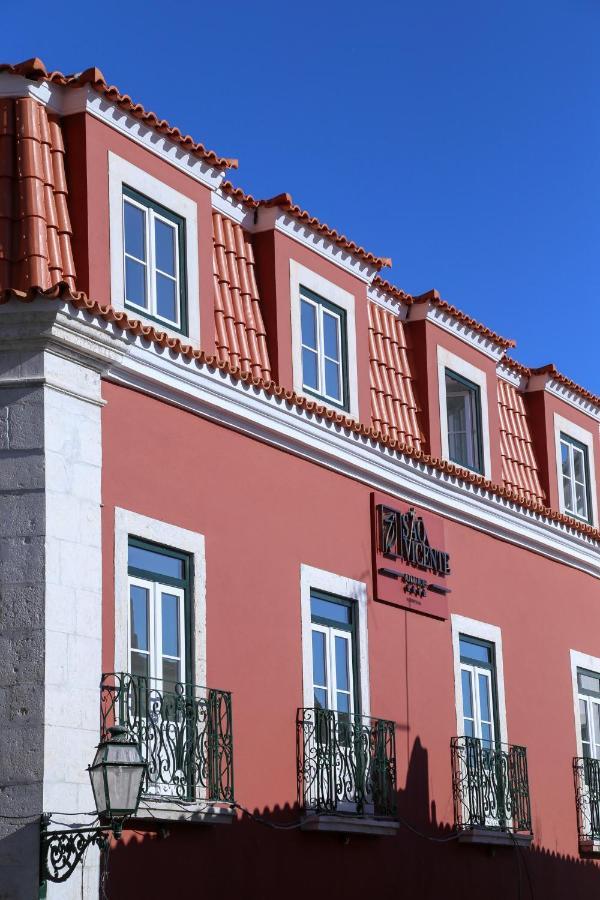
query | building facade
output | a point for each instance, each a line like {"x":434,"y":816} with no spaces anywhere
{"x":325,"y":549}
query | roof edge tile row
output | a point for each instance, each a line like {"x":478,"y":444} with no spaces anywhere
{"x":80,"y":300}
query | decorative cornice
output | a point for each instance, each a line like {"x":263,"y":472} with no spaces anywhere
{"x":446,"y":319}
{"x":512,"y":375}
{"x":383,"y":298}
{"x":569,"y":396}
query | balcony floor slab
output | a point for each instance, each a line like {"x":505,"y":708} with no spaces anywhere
{"x":192,"y":813}
{"x":494,"y":838}
{"x":370,"y":825}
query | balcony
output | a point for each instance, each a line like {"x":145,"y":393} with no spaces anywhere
{"x":346,"y":768}
{"x":184,"y":733}
{"x":586,"y":772}
{"x":491,"y":792}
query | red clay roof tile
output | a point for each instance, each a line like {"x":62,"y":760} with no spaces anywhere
{"x":241,"y":339}
{"x":35,"y":70}
{"x":519,"y":466}
{"x":35,"y":229}
{"x":551,"y":370}
{"x":434,"y":297}
{"x":393,"y":407}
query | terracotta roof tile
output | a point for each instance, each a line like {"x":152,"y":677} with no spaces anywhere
{"x":434,"y":297}
{"x":391,"y":289}
{"x":393,"y":407}
{"x":551,"y":370}
{"x":285,"y":202}
{"x":240,"y":332}
{"x":35,"y":70}
{"x":519,"y":466}
{"x":35,"y":229}
{"x":162,"y":339}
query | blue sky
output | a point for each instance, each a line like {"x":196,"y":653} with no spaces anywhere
{"x":462,"y":139}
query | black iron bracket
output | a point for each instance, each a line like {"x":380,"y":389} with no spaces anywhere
{"x":62,"y":851}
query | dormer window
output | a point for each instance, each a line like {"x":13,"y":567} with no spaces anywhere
{"x":575,"y":472}
{"x":153,"y":259}
{"x":463,"y":410}
{"x":323,"y":328}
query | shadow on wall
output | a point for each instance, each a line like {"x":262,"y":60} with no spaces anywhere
{"x":263,"y":862}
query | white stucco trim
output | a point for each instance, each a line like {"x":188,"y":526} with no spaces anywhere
{"x":586,"y":438}
{"x":132,"y":524}
{"x":340,"y":586}
{"x":485,"y":632}
{"x":448,"y":360}
{"x":121,"y":172}
{"x":592,"y":664}
{"x":301,"y":276}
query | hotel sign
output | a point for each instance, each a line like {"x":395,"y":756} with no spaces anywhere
{"x":410,"y":563}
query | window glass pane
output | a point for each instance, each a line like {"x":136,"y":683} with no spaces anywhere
{"x":135,"y":282}
{"x":462,"y":403}
{"x":171,"y":674}
{"x":156,"y":562}
{"x":139,"y":664}
{"x":329,"y":609}
{"x":486,"y":735}
{"x":342,"y":675}
{"x":330,"y":335}
{"x":585,"y":732}
{"x":469,"y":728}
{"x":138,"y":610}
{"x":589,"y":681}
{"x":319,"y":662}
{"x":332,"y":380}
{"x":579,"y":464}
{"x":166,"y":297}
{"x":596,"y":720}
{"x":581,"y":500}
{"x":165,"y":236}
{"x":467,"y":695}
{"x":472,"y":650}
{"x":170,"y":624}
{"x":309,"y":324}
{"x":343,"y":702}
{"x":484,"y":698}
{"x":564,"y":454}
{"x":135,"y":230}
{"x":568,"y":493}
{"x":310,"y":369}
{"x":320,"y":698}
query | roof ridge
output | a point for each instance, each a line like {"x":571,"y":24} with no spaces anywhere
{"x":35,"y":70}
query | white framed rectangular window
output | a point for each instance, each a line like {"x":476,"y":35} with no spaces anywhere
{"x":324,"y":349}
{"x":324,"y":360}
{"x":154,"y":260}
{"x":575,"y":469}
{"x":153,"y":250}
{"x":479,"y":680}
{"x":463,"y":410}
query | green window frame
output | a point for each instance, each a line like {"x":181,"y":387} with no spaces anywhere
{"x":182,"y":583}
{"x":569,"y":478}
{"x":489,"y":666}
{"x":473,"y":429}
{"x":151,"y":210}
{"x":323,"y":305}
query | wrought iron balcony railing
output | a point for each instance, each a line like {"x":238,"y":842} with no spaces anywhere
{"x":183,"y":731}
{"x":490,"y":786}
{"x":587,"y":797}
{"x":346,"y":763}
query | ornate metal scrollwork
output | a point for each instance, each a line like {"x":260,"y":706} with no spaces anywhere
{"x":62,"y":851}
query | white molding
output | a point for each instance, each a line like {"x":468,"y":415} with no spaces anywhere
{"x":132,"y":524}
{"x":587,"y":439}
{"x":592,"y":664}
{"x":121,"y":172}
{"x":485,"y":632}
{"x":276,"y":218}
{"x":234,"y":209}
{"x":507,"y":373}
{"x":301,"y":276}
{"x":340,"y":586}
{"x":448,"y":360}
{"x":576,"y":400}
{"x":455,"y":326}
{"x":221,"y":398}
{"x":391,"y":304}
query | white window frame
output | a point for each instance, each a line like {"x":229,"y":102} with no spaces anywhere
{"x":129,"y":524}
{"x":300,"y":276}
{"x":582,"y":436}
{"x":156,"y":589}
{"x":447,"y":360}
{"x":123,"y":173}
{"x":312,"y":579}
{"x":330,"y":634}
{"x":493,"y":635}
{"x":592,"y":664}
{"x":320,"y":311}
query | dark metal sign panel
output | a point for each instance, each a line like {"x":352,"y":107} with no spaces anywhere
{"x":410,"y":565}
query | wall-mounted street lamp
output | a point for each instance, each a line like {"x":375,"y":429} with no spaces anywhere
{"x":117,"y":775}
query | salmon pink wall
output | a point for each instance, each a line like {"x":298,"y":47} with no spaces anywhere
{"x":263,"y":514}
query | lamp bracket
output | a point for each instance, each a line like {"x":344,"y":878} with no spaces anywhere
{"x":61,"y":851}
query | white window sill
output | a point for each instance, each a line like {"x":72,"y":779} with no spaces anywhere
{"x":494,"y":837}
{"x":193,"y":813}
{"x":350,"y":824}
